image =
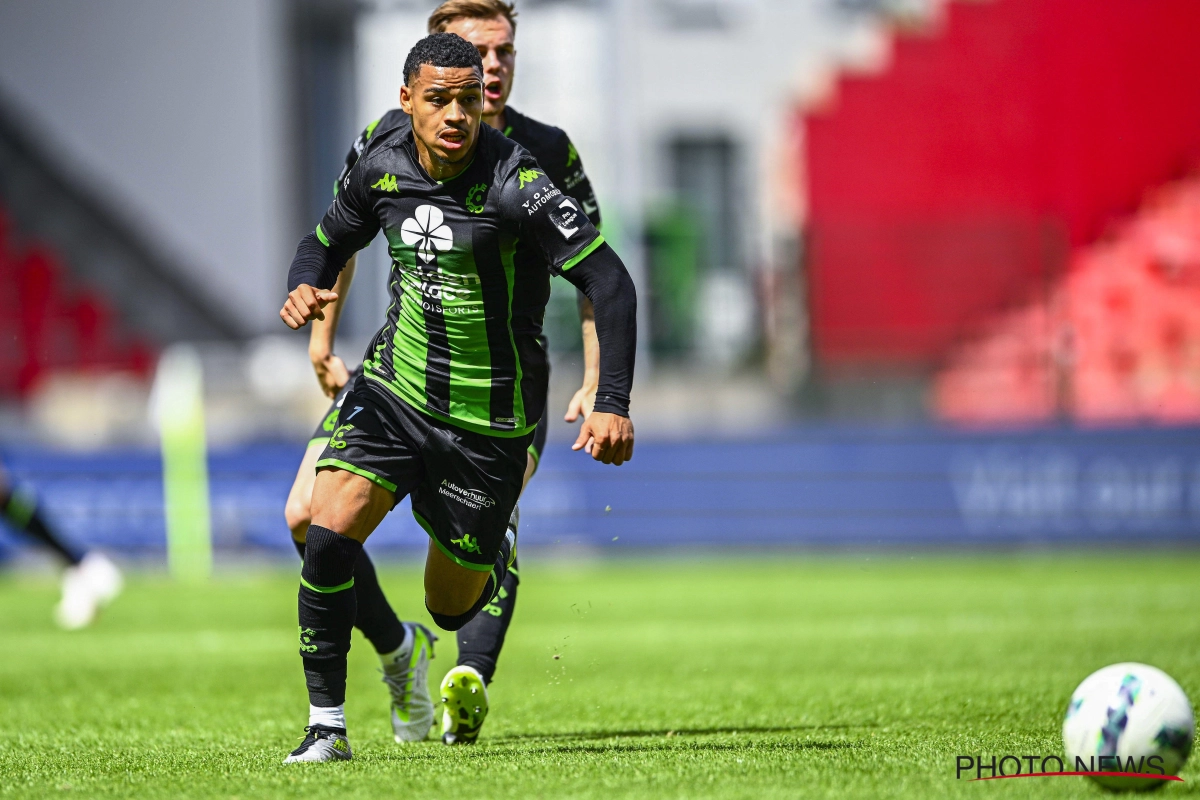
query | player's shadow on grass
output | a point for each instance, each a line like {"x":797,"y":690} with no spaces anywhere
{"x":611,"y":742}
{"x":671,"y":732}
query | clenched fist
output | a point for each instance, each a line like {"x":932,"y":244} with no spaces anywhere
{"x":606,"y":437}
{"x":304,"y":303}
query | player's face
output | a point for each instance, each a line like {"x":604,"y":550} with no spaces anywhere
{"x":446,"y":104}
{"x":493,"y":37}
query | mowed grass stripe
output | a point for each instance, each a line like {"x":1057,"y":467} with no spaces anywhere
{"x":757,"y":677}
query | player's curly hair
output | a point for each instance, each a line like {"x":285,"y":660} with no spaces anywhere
{"x":441,"y":50}
{"x":451,"y":10}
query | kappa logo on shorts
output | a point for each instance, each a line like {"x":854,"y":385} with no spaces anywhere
{"x":338,"y":440}
{"x":468,"y":497}
{"x":467,"y":543}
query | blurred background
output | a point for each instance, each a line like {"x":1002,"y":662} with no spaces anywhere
{"x":911,"y":272}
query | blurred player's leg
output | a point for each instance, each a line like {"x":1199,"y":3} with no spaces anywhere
{"x":90,"y":581}
{"x":404,"y":649}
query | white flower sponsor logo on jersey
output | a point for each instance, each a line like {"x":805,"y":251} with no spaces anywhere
{"x":425,"y":231}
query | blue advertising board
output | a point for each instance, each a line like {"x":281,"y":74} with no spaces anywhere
{"x":825,"y":487}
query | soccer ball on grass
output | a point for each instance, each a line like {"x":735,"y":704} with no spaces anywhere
{"x":1128,"y":718}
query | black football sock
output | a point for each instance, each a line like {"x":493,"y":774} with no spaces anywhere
{"x":495,"y":580}
{"x":20,"y":509}
{"x":481,"y":639}
{"x":375,"y":619}
{"x":327,"y":609}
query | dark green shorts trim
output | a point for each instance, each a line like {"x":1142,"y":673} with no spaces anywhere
{"x":371,"y":476}
{"x":467,"y":564}
{"x":328,"y":589}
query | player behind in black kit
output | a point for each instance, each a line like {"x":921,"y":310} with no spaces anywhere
{"x":455,"y":381}
{"x":490,"y":25}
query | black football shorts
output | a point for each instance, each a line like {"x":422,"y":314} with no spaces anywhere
{"x":463,"y":484}
{"x":329,"y":421}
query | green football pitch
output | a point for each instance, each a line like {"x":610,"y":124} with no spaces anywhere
{"x":780,"y":676}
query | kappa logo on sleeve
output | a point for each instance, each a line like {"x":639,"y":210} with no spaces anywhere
{"x":528,"y":176}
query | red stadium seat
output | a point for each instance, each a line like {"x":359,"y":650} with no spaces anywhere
{"x":1117,"y":340}
{"x":55,"y":326}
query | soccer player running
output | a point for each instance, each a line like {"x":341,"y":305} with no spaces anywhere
{"x":404,"y":648}
{"x":455,"y":381}
{"x":90,"y":580}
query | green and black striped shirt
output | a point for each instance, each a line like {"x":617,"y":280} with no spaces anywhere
{"x":471,"y":264}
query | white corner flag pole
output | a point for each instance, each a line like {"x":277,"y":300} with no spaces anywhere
{"x":177,"y":407}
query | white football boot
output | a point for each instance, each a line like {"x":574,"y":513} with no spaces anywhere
{"x":406,"y":673}
{"x":86,"y":588}
{"x":321,"y":744}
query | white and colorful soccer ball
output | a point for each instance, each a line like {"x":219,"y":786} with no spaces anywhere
{"x":1133,"y":712}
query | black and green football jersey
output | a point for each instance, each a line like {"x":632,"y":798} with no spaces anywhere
{"x":471,"y":264}
{"x":550,"y":146}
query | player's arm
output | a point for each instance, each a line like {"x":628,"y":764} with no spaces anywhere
{"x":348,"y":226}
{"x":608,"y":432}
{"x":584,"y":399}
{"x":570,"y":176}
{"x":574,"y":249}
{"x":331,"y":370}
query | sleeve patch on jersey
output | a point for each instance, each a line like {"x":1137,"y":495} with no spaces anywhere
{"x":565,"y":217}
{"x":584,"y":253}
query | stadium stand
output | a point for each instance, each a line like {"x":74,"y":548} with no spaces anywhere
{"x":85,"y":265}
{"x":956,"y":183}
{"x":1115,"y":340}
{"x":58,"y":325}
